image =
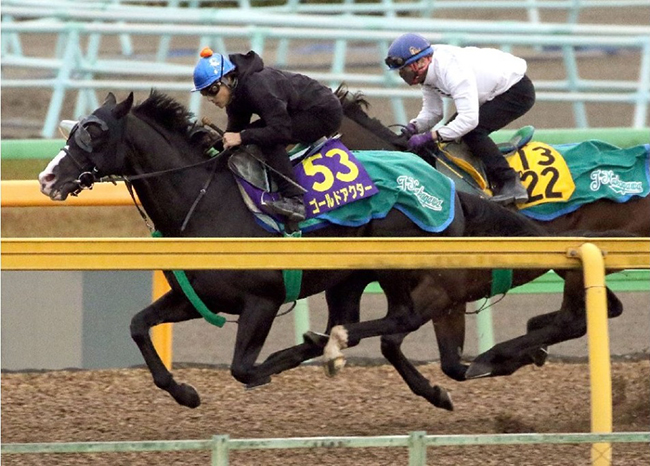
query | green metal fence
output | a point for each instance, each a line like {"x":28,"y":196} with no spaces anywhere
{"x":416,"y":442}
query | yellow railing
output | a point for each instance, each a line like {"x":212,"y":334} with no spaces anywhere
{"x":312,"y":253}
{"x":27,"y":193}
{"x":360,"y":253}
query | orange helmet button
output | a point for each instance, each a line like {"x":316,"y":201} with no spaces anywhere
{"x":206,"y":52}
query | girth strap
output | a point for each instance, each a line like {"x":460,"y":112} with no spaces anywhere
{"x":188,"y":290}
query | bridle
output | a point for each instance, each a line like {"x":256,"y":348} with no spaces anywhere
{"x":88,"y":178}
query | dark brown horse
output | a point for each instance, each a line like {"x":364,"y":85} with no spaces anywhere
{"x":569,"y":322}
{"x":151,"y":146}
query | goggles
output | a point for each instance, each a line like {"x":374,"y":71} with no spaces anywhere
{"x":395,"y":62}
{"x":399,"y":62}
{"x":212,"y":90}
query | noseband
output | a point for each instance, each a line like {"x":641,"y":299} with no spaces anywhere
{"x":86,"y":179}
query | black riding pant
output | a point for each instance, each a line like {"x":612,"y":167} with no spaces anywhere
{"x":307,"y":127}
{"x":494,"y":115}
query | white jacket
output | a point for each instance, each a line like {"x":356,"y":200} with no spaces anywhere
{"x":470,"y":76}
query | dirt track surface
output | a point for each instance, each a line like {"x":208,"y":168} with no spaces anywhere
{"x":124,"y":405}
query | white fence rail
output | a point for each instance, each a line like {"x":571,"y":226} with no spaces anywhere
{"x":416,"y":442}
{"x":78,"y":63}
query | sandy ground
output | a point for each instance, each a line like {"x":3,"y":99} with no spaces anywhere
{"x":124,"y":405}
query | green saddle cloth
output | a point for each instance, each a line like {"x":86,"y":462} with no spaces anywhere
{"x":599,"y":171}
{"x":405,"y":182}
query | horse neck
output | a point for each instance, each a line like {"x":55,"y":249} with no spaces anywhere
{"x":360,"y":132}
{"x":167,"y":198}
{"x":355,"y":137}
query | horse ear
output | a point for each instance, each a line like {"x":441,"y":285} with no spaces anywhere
{"x":110,"y":99}
{"x":65,"y":127}
{"x":123,"y":107}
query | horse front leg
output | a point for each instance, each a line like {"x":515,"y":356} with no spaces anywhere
{"x":171,"y":307}
{"x":255,"y":323}
{"x":568,"y":323}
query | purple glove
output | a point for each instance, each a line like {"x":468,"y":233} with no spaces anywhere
{"x":409,"y":130}
{"x":420,"y":140}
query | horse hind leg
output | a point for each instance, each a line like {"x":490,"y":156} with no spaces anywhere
{"x":450,"y":334}
{"x":614,"y":309}
{"x":401,"y":318}
{"x":171,"y":307}
{"x":419,"y":385}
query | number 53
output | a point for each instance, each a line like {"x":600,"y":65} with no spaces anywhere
{"x":348,"y":174}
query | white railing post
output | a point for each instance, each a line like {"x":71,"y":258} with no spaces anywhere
{"x":417,"y":448}
{"x":220,"y":450}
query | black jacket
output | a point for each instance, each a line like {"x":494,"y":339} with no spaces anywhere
{"x":274,"y":96}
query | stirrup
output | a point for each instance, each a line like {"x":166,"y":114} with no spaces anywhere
{"x":518,"y":140}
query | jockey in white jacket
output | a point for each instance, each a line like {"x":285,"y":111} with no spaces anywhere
{"x":489,"y":88}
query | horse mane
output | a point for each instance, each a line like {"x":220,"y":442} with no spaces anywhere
{"x":166,"y":112}
{"x":355,"y":106}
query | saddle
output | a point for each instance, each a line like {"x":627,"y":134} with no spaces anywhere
{"x":467,"y":170}
{"x":248,"y":164}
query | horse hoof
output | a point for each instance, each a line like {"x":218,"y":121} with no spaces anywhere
{"x":187,"y":396}
{"x":334,"y":366}
{"x":259,"y":383}
{"x":539,"y":356}
{"x":477,"y":370}
{"x":316,"y":339}
{"x":444,"y":399}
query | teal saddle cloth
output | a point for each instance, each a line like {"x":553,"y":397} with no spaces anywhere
{"x":600,"y":171}
{"x":405,"y":182}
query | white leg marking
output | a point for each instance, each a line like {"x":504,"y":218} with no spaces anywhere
{"x":333,"y":358}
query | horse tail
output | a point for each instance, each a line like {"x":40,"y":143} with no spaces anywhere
{"x":486,"y":218}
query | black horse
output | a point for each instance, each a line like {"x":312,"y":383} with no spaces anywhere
{"x":150,"y":144}
{"x":447,"y":311}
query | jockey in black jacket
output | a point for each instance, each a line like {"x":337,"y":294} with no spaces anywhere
{"x":291,"y":108}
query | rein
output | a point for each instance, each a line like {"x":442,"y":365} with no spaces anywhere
{"x":142,"y":176}
{"x":202,"y":192}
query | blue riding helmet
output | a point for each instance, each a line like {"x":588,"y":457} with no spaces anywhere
{"x":406,"y":49}
{"x":210,"y":68}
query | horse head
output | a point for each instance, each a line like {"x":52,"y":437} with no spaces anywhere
{"x":93,"y":150}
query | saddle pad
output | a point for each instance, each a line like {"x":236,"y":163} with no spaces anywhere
{"x":403,"y":181}
{"x":406,"y":183}
{"x":571,"y":175}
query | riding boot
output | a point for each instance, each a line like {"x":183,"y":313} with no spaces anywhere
{"x":293,"y":208}
{"x":290,"y":204}
{"x":511,"y":190}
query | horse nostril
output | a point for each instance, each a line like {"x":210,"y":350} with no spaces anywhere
{"x":47,"y":178}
